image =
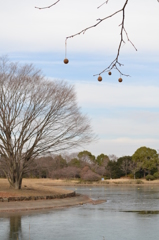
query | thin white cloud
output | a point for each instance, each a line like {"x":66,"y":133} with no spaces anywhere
{"x":123,"y":125}
{"x":125,"y":117}
{"x":121,"y":146}
{"x":105,"y":95}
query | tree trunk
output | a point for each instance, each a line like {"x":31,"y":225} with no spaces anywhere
{"x":144,"y":174}
{"x":17,"y":183}
{"x":16,"y":180}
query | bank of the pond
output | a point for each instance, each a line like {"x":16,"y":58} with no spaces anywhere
{"x":44,"y":204}
{"x":111,"y":182}
{"x":39,"y":194}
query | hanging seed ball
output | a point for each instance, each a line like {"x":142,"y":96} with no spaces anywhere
{"x":65,"y":60}
{"x":120,"y":79}
{"x":99,"y":78}
{"x":109,"y":73}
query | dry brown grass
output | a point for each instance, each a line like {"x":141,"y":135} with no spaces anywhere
{"x":123,"y":181}
{"x":126,"y":181}
{"x":31,"y":187}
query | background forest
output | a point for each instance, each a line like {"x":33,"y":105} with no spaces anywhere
{"x":85,"y":166}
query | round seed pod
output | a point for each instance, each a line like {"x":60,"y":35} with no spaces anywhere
{"x":109,"y":73}
{"x":120,"y":79}
{"x":99,"y":78}
{"x":66,"y":61}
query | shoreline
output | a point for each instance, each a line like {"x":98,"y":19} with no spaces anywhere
{"x":46,"y":194}
{"x":108,"y":182}
{"x":33,"y":198}
{"x":26,"y":206}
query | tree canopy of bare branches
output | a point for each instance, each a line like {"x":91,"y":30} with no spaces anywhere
{"x":37,"y":117}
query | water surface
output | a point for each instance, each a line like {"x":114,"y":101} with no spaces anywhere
{"x":121,"y":217}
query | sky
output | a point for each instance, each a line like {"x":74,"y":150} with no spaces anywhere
{"x":125,"y":116}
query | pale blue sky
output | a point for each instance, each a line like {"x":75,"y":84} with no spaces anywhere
{"x":124,"y":116}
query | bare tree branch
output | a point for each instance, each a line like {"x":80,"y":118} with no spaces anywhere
{"x":115,"y":64}
{"x":40,"y":8}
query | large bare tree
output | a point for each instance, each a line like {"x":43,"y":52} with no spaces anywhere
{"x":37,"y":117}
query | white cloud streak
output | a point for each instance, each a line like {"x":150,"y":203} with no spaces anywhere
{"x":117,"y":95}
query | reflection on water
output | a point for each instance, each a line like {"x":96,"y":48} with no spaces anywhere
{"x":15,"y":227}
{"x":11,"y":227}
{"x":144,"y":212}
{"x":129,"y":213}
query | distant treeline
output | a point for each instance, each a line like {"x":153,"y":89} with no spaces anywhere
{"x":85,"y":166}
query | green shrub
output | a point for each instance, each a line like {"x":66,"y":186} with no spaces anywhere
{"x":131,"y":176}
{"x":150,"y":177}
{"x":75,"y":163}
{"x":138,"y":181}
{"x":156,"y":175}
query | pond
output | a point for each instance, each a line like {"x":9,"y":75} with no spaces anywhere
{"x":129,"y":213}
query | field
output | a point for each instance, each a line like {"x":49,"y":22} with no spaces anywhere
{"x":31,"y":187}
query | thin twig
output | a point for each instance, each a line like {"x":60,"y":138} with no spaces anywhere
{"x":129,"y":39}
{"x":103,"y":4}
{"x":48,"y":6}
